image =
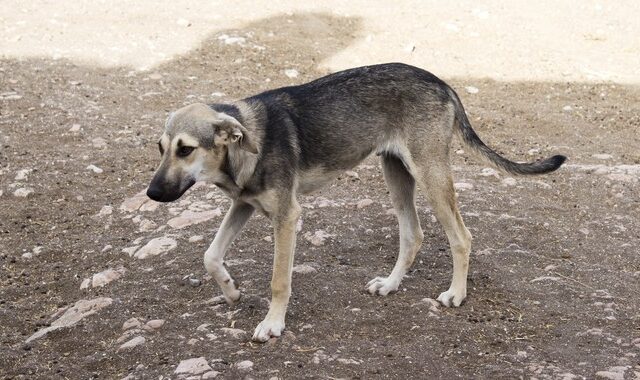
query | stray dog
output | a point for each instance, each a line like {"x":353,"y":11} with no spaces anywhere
{"x":264,"y":150}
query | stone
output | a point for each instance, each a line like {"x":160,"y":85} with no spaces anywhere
{"x":195,"y":238}
{"x":489,"y":172}
{"x":23,"y":192}
{"x":472,"y":90}
{"x":147,"y":225}
{"x":95,"y":169}
{"x":106,"y":276}
{"x":545,"y":278}
{"x":73,"y":315}
{"x":509,"y":181}
{"x":156,"y":247}
{"x":236,"y":333}
{"x":155,"y":323}
{"x":602,"y":156}
{"x":352,"y":174}
{"x":232,"y":40}
{"x":463,"y":186}
{"x":210,"y":375}
{"x":245,"y":365}
{"x":567,"y":108}
{"x":21,"y":175}
{"x":99,"y":143}
{"x":188,"y":218}
{"x":131,"y":323}
{"x":291,"y":73}
{"x":137,"y":341}
{"x":304,"y":269}
{"x":317,"y":238}
{"x":105,"y":211}
{"x":139,"y":201}
{"x":364,"y":203}
{"x":75,"y":128}
{"x":194,"y":366}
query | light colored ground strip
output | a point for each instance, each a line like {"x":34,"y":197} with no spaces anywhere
{"x":570,"y":40}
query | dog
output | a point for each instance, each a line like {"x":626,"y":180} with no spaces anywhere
{"x":265,"y":150}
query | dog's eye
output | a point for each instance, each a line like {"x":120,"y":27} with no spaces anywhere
{"x":184,"y":151}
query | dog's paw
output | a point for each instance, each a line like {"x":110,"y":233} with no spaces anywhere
{"x":267,"y":329}
{"x":452,"y":297}
{"x":231,"y":297}
{"x":382,"y":286}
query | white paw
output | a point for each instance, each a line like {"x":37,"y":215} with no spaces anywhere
{"x":382,"y":286}
{"x":452,"y":297}
{"x":232,"y":296}
{"x":267,"y":329}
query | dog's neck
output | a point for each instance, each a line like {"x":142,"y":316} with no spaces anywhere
{"x":239,"y":165}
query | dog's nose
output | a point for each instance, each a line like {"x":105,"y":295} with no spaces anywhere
{"x":154,"y":193}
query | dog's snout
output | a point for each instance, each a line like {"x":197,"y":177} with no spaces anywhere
{"x":154,"y":192}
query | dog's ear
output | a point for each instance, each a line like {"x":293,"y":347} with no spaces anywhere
{"x":228,"y":129}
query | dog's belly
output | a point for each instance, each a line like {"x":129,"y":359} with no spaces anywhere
{"x":314,"y":179}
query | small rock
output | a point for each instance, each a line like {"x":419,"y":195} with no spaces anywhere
{"x":602,"y":156}
{"x":231,"y":40}
{"x":489,"y":172}
{"x":304,"y":269}
{"x":245,"y":365}
{"x":137,"y":341}
{"x":217,"y":94}
{"x":75,"y":128}
{"x":23,"y":192}
{"x":509,"y":181}
{"x":433,"y":304}
{"x":317,"y":238}
{"x":147,"y":225}
{"x":73,"y":315}
{"x":10,"y":95}
{"x":210,"y":375}
{"x":194,"y":366}
{"x":183,"y":22}
{"x":195,"y":238}
{"x":155,"y":76}
{"x":188,"y":217}
{"x":463,"y":186}
{"x":348,"y":361}
{"x":155,"y":247}
{"x":567,"y":108}
{"x":236,"y":333}
{"x":103,"y":278}
{"x":550,"y":267}
{"x":291,"y":73}
{"x":21,"y":175}
{"x":99,"y":143}
{"x":352,"y":174}
{"x":364,"y":203}
{"x":155,"y":323}
{"x":192,"y":341}
{"x":131,"y":323}
{"x":85,"y":284}
{"x":95,"y":169}
{"x":105,"y":211}
{"x":545,"y":278}
{"x":472,"y":90}
{"x":611,"y":375}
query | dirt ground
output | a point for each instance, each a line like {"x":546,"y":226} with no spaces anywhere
{"x":555,"y":271}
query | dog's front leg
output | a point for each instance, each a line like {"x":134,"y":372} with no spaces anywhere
{"x":232,"y":224}
{"x":285,"y":242}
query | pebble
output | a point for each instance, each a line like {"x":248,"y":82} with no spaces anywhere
{"x":155,"y":323}
{"x":139,"y":201}
{"x":131,"y":323}
{"x":99,"y":143}
{"x":103,"y":278}
{"x":602,"y":156}
{"x":489,"y":172}
{"x":210,"y":375}
{"x":317,"y":238}
{"x":231,"y":40}
{"x":463,"y":186}
{"x":236,"y":333}
{"x":567,"y":108}
{"x":95,"y":169}
{"x":22,"y":175}
{"x":291,"y":73}
{"x":75,"y":128}
{"x":304,"y":269}
{"x":137,"y":341}
{"x":195,"y":238}
{"x":23,"y":192}
{"x":545,"y":278}
{"x":73,"y":315}
{"x":364,"y":203}
{"x":509,"y":181}
{"x":183,"y":22}
{"x":188,"y":218}
{"x":194,"y":366}
{"x":155,"y":247}
{"x":10,"y":95}
{"x":147,"y":225}
{"x":472,"y":90}
{"x":105,"y":211}
{"x":245,"y":365}
{"x":352,"y":174}
{"x":614,"y":373}
{"x":192,"y":341}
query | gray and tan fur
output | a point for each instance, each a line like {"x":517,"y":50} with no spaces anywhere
{"x":265,"y":150}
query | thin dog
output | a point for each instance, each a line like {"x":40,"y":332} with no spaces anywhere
{"x":265,"y":150}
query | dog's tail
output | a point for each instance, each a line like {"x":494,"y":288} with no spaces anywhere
{"x":470,"y":138}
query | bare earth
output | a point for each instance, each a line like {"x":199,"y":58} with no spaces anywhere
{"x":555,"y":268}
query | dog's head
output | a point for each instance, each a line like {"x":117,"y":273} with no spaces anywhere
{"x":193,"y":147}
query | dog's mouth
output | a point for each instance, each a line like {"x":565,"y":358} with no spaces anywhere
{"x":161,"y":194}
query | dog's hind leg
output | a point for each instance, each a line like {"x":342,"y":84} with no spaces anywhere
{"x":402,"y":188}
{"x":437,"y":184}
{"x":232,"y":224}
